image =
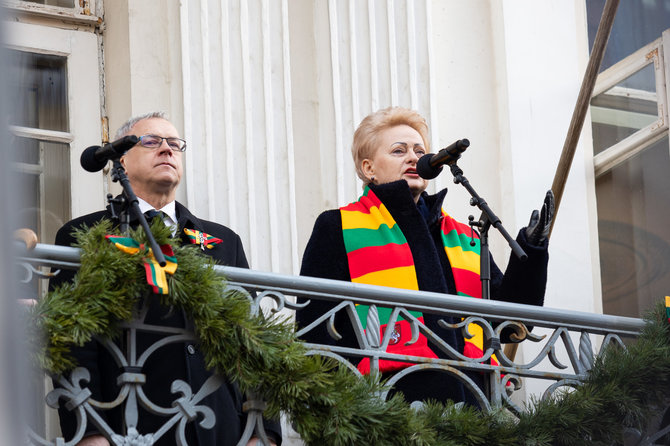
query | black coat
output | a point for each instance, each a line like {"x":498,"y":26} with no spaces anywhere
{"x":325,"y":256}
{"x":174,"y":361}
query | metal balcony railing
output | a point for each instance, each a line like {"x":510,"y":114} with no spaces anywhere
{"x":563,"y":353}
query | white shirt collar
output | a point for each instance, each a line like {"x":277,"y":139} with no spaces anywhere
{"x":169,"y":210}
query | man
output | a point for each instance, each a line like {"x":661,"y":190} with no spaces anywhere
{"x":154,"y":169}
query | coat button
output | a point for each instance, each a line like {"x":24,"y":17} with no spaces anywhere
{"x":191,"y":349}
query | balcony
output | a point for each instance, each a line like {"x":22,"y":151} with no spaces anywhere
{"x":562,"y":349}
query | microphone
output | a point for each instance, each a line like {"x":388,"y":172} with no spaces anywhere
{"x":430,"y":165}
{"x":95,"y":158}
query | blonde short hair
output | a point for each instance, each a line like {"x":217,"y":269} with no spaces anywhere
{"x":367,"y":134}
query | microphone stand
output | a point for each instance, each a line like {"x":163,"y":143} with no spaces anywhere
{"x":129,"y":200}
{"x":486,"y":220}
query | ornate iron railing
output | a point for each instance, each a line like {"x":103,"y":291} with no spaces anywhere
{"x":564,"y":355}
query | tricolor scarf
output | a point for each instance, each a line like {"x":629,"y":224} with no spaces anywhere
{"x":378,"y":254}
{"x":154,"y":272}
{"x":464,"y":258}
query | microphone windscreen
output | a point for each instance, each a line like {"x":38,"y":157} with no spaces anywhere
{"x":89,"y":161}
{"x":425,"y":170}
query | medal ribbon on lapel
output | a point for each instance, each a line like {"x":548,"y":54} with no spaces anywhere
{"x":201,"y":238}
{"x":154,"y":272}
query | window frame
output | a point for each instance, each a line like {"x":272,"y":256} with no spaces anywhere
{"x":656,"y":53}
{"x":81,"y":14}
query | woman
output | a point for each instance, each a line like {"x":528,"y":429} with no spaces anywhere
{"x":397,"y":235}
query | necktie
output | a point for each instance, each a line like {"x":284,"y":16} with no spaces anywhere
{"x":150,"y":214}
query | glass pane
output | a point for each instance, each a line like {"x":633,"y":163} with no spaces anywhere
{"x":61,"y":3}
{"x":633,"y":212}
{"x":38,"y":83}
{"x":29,"y":215}
{"x":25,"y":150}
{"x":56,"y":179}
{"x":45,"y":202}
{"x":624,"y":109}
{"x":46,"y":199}
{"x":636,"y":24}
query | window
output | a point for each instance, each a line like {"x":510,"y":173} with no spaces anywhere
{"x":57,"y":91}
{"x":629,"y":112}
{"x":40,"y":143}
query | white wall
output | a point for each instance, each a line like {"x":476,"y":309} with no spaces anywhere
{"x":141,"y":57}
{"x":266,"y":168}
{"x":467,"y":89}
{"x":238,"y":122}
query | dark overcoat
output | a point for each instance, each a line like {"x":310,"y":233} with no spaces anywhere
{"x":326,"y":257}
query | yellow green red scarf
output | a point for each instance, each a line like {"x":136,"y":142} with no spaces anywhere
{"x":464,"y":259}
{"x":378,"y":254}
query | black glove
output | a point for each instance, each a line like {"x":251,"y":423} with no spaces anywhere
{"x":540,"y":222}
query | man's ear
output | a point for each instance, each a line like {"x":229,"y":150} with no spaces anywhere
{"x":367,"y":166}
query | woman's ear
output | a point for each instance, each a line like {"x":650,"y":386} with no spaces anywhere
{"x":367,"y":166}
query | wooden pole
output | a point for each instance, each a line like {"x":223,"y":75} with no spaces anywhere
{"x":583,"y":102}
{"x":578,"y":117}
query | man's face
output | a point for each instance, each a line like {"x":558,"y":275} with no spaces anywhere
{"x":153,"y":171}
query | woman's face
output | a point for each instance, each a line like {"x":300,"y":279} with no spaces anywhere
{"x":395,"y":158}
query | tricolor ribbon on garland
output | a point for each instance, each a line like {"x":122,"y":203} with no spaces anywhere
{"x":201,"y":238}
{"x":667,"y":307}
{"x":155,"y":273}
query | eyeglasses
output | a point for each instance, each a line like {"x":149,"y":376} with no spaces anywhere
{"x":155,"y":141}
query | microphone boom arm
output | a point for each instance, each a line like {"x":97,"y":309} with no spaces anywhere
{"x":487,"y":219}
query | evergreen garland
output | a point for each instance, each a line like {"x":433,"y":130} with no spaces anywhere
{"x":327,"y":404}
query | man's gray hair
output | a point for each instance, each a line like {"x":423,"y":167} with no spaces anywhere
{"x":125,"y":128}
